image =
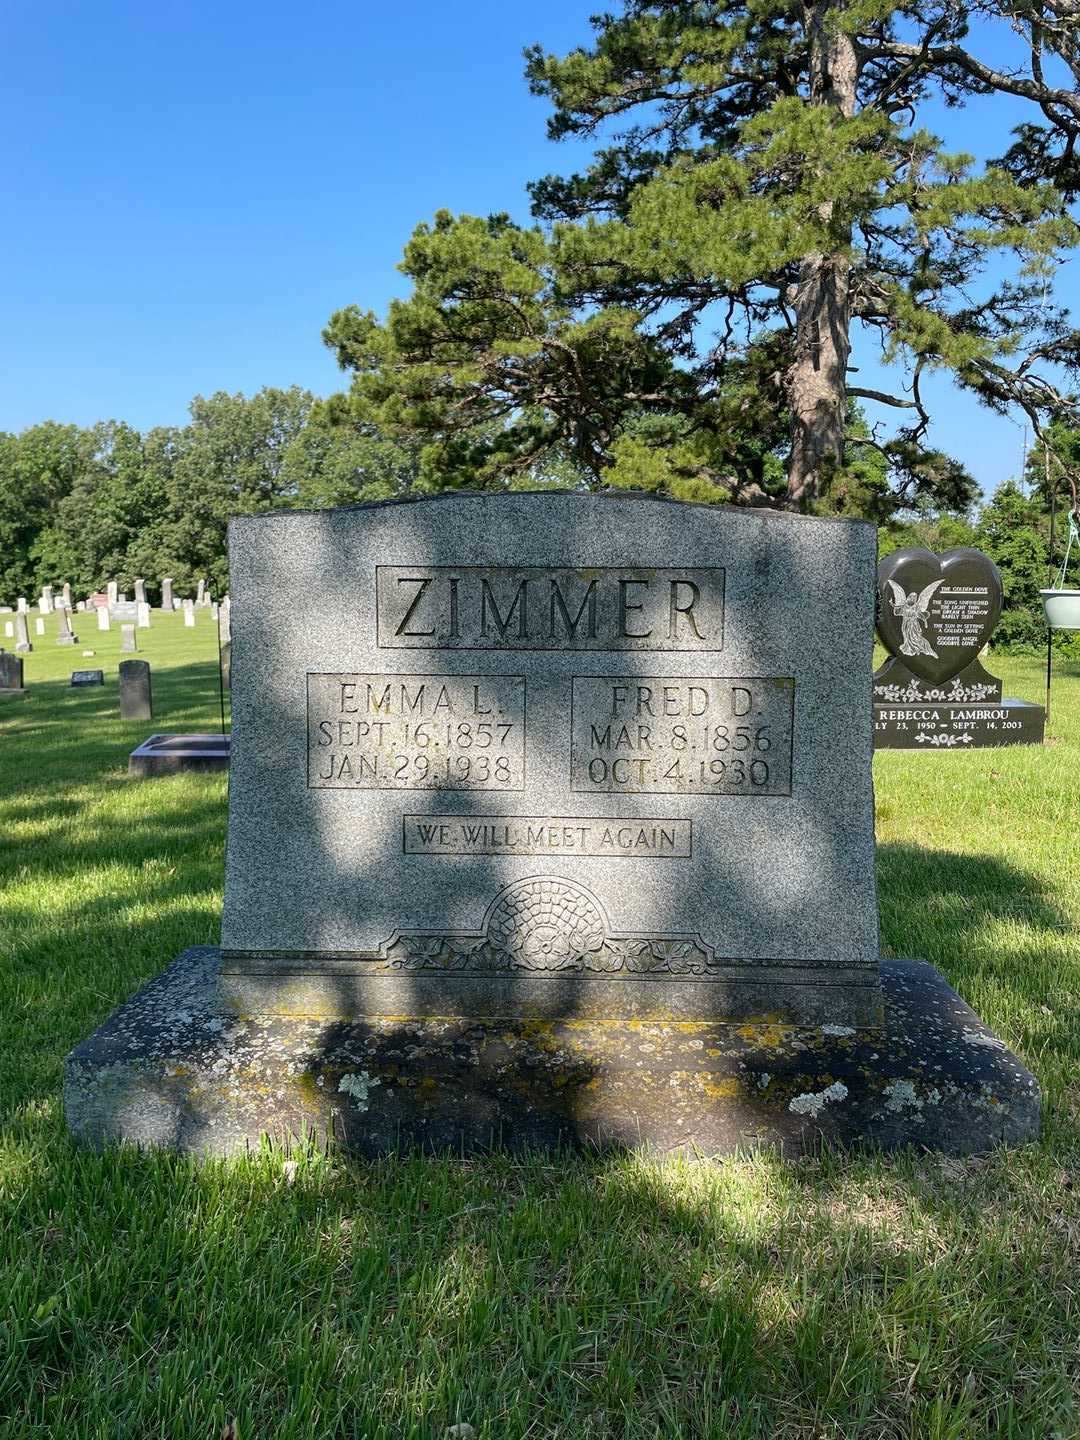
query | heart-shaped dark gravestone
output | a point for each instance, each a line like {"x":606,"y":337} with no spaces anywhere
{"x":936,"y":612}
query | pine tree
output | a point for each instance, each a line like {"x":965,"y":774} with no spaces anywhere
{"x":1012,"y":531}
{"x":762,"y":187}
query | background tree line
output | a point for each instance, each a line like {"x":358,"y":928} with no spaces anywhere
{"x":108,"y":502}
{"x":765,"y":192}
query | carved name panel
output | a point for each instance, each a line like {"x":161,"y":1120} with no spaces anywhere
{"x":532,"y":607}
{"x":416,"y":732}
{"x":671,"y":735}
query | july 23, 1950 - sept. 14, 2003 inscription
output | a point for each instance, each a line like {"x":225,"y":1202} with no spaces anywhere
{"x":550,"y":820}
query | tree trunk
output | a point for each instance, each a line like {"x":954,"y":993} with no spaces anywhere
{"x":817,"y":378}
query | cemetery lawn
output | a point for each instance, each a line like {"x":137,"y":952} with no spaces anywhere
{"x":905,"y":1296}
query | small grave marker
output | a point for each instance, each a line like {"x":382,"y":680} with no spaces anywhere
{"x":935,"y":615}
{"x":64,"y":633}
{"x":11,"y":674}
{"x":22,"y":634}
{"x":135,"y":694}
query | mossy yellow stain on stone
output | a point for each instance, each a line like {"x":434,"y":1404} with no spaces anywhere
{"x":770,"y":1034}
{"x":725,"y":1089}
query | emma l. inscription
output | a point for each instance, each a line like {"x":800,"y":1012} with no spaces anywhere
{"x":416,"y":732}
{"x":532,"y":607}
{"x":640,"y":734}
{"x":547,"y":835}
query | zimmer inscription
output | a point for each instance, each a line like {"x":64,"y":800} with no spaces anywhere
{"x":639,"y":734}
{"x":521,"y":607}
{"x":416,"y":732}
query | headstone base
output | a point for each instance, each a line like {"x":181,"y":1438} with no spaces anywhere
{"x":170,"y":754}
{"x":4,"y":690}
{"x":167,"y":1069}
{"x":934,"y":726}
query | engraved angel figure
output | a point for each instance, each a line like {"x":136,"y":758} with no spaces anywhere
{"x":913,"y":610}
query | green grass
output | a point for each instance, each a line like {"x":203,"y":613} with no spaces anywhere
{"x":840,"y":1296}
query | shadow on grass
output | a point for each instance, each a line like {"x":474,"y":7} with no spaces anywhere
{"x":950,"y":897}
{"x":595,"y":1296}
{"x":558,"y":1296}
{"x":103,"y":878}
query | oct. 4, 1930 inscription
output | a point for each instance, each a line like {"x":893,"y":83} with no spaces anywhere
{"x":416,"y":732}
{"x":532,"y":607}
{"x":673,"y":735}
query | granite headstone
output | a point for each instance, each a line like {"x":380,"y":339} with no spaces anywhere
{"x":550,"y":821}
{"x":534,"y":743}
{"x":136,"y":702}
{"x":128,"y":643}
{"x":935,"y":616}
{"x":166,"y":594}
{"x":64,"y":633}
{"x":11,"y":674}
{"x":22,"y":634}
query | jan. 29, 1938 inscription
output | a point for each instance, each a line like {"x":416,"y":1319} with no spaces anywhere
{"x":532,"y":607}
{"x":416,"y":732}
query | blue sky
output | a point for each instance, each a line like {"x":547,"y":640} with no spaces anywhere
{"x":192,"y":189}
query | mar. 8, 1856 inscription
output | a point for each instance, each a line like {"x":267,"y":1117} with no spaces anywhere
{"x":416,"y":732}
{"x":637,"y":734}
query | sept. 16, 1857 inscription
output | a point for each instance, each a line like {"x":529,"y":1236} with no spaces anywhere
{"x":631,"y":776}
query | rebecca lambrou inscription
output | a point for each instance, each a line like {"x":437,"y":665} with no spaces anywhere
{"x":643,"y":790}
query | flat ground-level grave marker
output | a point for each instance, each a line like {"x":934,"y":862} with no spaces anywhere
{"x":550,"y":821}
{"x":171,"y":754}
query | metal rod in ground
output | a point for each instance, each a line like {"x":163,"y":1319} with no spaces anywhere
{"x":1052,"y":488}
{"x":220,"y":676}
{"x":1049,"y":663}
